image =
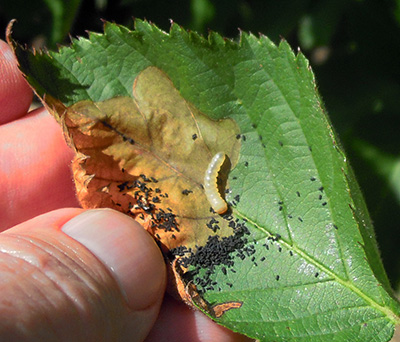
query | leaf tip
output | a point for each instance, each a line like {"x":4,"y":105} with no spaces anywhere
{"x":9,"y":40}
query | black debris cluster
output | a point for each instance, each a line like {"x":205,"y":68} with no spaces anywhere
{"x":146,"y":198}
{"x":218,"y":251}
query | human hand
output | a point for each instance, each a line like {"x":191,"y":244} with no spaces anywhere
{"x":71,"y":274}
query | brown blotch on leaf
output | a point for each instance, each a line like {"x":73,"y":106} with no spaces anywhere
{"x":137,"y":155}
{"x":220,"y":309}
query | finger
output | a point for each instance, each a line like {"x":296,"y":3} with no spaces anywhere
{"x":71,"y":275}
{"x":176,"y":322}
{"x":15,"y":93}
{"x":35,"y":175}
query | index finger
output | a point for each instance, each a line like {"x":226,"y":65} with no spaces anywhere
{"x":15,"y":93}
{"x":35,"y":174}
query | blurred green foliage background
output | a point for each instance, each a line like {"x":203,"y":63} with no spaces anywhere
{"x":353,"y":47}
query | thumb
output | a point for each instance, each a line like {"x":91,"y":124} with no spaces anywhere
{"x":73,"y":275}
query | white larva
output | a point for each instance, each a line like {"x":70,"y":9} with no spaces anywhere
{"x":210,"y":184}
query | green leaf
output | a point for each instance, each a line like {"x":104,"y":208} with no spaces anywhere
{"x":203,"y":12}
{"x":385,"y":165}
{"x":317,"y":27}
{"x":48,"y":20}
{"x":310,"y":269}
{"x":63,"y":13}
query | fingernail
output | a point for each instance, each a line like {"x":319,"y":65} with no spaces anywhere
{"x":7,"y":53}
{"x":126,"y":249}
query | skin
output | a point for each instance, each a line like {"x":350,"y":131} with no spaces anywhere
{"x":67,"y":274}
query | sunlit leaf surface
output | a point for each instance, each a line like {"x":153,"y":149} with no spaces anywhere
{"x":294,"y":258}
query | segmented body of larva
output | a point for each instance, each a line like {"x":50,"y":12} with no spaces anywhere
{"x":210,"y":184}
